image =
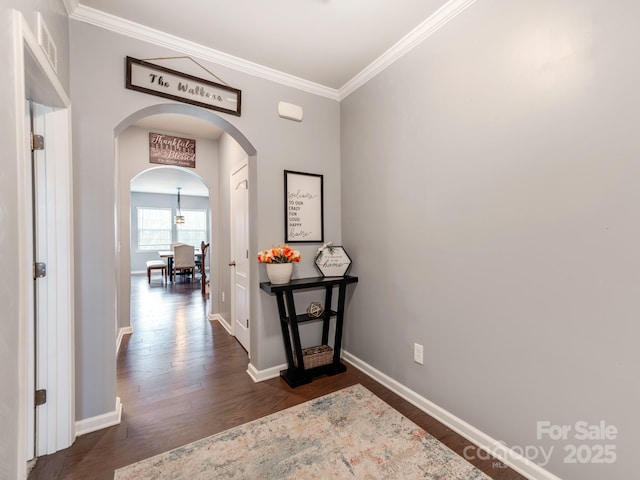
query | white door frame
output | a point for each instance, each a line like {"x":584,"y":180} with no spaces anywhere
{"x":36,"y":79}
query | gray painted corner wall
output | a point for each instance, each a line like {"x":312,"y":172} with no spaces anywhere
{"x":497,"y":225}
{"x":100,"y":104}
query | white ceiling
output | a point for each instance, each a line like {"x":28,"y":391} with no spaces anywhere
{"x":167,"y":180}
{"x":327,"y":42}
{"x":183,"y":124}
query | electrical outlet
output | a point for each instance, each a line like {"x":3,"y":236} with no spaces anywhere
{"x":222,"y":297}
{"x":418,"y":353}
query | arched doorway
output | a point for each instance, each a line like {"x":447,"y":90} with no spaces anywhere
{"x":218,"y":202}
{"x":153,"y":197}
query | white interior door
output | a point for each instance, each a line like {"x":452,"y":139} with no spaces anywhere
{"x":240,"y":255}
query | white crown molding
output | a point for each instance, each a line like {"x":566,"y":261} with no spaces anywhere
{"x":438,"y":19}
{"x":141,"y":32}
{"x":433,"y":23}
{"x":70,"y":5}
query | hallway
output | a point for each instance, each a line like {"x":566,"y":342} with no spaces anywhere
{"x":182,"y":378}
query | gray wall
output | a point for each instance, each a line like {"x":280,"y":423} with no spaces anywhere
{"x":490,"y":205}
{"x":100,"y":104}
{"x":11,"y":342}
{"x":139,"y":199}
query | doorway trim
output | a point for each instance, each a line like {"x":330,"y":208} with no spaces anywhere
{"x":208,"y":116}
{"x":189,"y":110}
{"x":35,"y":79}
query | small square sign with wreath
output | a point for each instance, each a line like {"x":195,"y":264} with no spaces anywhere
{"x":332,"y":260}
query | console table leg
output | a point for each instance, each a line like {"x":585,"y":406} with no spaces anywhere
{"x":295,"y":332}
{"x":342,"y":289}
{"x":327,"y":316}
{"x":282,"y":311}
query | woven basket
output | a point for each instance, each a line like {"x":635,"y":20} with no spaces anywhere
{"x":315,"y":356}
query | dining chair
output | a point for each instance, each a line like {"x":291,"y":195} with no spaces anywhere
{"x":203,"y":267}
{"x":156,"y":265}
{"x":183,"y":260}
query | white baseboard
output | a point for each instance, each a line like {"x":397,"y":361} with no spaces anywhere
{"x":262,"y":375}
{"x":99,"y":422}
{"x":121,"y":333}
{"x":256,"y":375}
{"x":220,"y":319}
{"x":514,"y":460}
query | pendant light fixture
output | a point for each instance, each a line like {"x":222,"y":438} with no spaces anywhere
{"x":179,"y":218}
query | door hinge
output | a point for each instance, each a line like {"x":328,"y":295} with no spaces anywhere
{"x":247,"y":253}
{"x":37,"y":142}
{"x":39,"y":270}
{"x":41,"y":397}
{"x":247,"y":323}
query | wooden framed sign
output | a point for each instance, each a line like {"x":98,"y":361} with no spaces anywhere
{"x":303,"y":207}
{"x":170,"y":150}
{"x":163,"y":82}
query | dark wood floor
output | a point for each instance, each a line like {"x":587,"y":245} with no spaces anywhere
{"x":182,"y":378}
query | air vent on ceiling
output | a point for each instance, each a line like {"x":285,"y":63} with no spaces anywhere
{"x":46,"y":42}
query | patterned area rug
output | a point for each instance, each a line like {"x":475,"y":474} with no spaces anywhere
{"x":349,"y":434}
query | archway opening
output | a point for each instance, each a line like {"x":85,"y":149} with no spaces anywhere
{"x":158,"y":196}
{"x":213,"y":168}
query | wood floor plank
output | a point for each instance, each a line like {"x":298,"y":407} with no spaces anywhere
{"x":181,"y":378}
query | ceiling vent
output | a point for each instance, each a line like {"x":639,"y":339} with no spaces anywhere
{"x":46,"y":42}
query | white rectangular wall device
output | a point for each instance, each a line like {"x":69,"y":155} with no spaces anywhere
{"x":290,"y":111}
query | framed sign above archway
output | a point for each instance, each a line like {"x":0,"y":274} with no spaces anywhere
{"x":163,"y":82}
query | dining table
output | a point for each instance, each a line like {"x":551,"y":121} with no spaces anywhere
{"x":168,"y":254}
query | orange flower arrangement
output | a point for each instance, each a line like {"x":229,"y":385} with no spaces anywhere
{"x":279,"y":254}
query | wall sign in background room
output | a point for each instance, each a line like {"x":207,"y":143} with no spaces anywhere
{"x":170,"y":150}
{"x":303,"y":207}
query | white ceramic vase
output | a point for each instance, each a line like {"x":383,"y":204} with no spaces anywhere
{"x":279,"y":273}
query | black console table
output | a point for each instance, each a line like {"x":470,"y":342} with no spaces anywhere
{"x":297,"y":372}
